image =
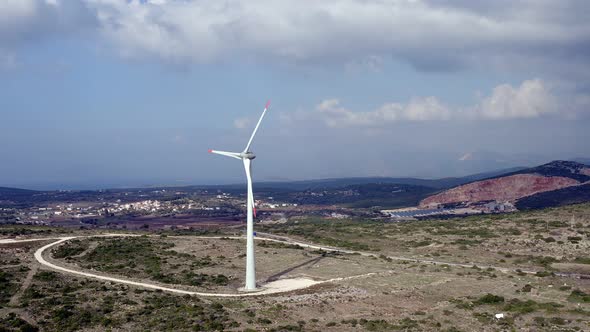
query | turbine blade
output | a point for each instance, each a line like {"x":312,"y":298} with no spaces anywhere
{"x":225,"y":153}
{"x":257,"y":125}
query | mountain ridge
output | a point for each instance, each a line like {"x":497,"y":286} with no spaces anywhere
{"x":515,"y":186}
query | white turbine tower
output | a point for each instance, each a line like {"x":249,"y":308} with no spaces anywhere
{"x":246,"y":156}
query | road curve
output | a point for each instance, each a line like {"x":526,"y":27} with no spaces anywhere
{"x":279,"y":286}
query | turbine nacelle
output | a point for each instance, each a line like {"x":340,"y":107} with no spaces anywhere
{"x":248,"y":155}
{"x":238,"y":155}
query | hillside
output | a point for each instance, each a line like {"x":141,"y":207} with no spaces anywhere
{"x":514,"y":186}
{"x":383,"y":195}
{"x":15,"y":193}
{"x":360,"y":192}
{"x":559,"y":168}
{"x":555,"y":198}
{"x":331,"y":183}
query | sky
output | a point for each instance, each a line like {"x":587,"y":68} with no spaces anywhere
{"x":115,"y":93}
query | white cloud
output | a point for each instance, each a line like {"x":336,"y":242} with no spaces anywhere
{"x":428,"y":34}
{"x":26,"y":21}
{"x":372,"y":63}
{"x":16,"y":17}
{"x":242,"y":123}
{"x":419,"y":109}
{"x":531,"y":99}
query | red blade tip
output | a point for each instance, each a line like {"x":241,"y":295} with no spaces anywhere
{"x":267,"y":104}
{"x":210,"y":151}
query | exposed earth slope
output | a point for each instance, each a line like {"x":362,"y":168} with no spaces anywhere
{"x":515,"y":186}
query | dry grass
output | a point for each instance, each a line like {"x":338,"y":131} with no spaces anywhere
{"x":375,"y":294}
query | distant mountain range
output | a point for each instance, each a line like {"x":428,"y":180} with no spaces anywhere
{"x":343,"y":182}
{"x":552,"y":184}
{"x":355,"y":192}
{"x":15,"y":193}
{"x":481,"y":161}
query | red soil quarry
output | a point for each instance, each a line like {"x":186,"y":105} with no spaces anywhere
{"x":509,"y":188}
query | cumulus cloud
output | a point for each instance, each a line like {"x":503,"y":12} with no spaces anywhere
{"x":242,"y":123}
{"x":432,"y":35}
{"x":25,"y":21}
{"x":419,"y":109}
{"x":429,"y":34}
{"x":531,"y":99}
{"x":345,"y":28}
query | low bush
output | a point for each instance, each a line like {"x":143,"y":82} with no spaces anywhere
{"x":489,"y":299}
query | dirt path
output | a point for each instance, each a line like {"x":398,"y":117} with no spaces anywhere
{"x":278,"y":286}
{"x":90,"y":248}
{"x":15,"y":299}
{"x":22,"y":314}
{"x":271,"y":287}
{"x":8,"y":241}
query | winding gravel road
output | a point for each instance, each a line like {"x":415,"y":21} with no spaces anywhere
{"x":274,"y":287}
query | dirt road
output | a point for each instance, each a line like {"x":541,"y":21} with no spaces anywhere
{"x":272,"y":287}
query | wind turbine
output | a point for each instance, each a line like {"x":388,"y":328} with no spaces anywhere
{"x":247,"y":156}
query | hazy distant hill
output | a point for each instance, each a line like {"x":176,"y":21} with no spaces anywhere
{"x":383,"y":192}
{"x":15,"y":193}
{"x":382,"y":195}
{"x":343,"y":182}
{"x":568,"y":169}
{"x":585,"y":161}
{"x":515,"y":186}
{"x":359,"y":192}
{"x":481,"y":161}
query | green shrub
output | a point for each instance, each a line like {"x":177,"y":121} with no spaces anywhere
{"x":557,"y":321}
{"x":352,"y":322}
{"x":489,"y":299}
{"x":46,"y":276}
{"x":264,"y":321}
{"x":579,"y":296}
{"x":543,"y":274}
{"x":376,"y":325}
{"x":528,"y":306}
{"x":582,"y":260}
{"x":70,"y":248}
{"x":14,"y":323}
{"x":574,"y":239}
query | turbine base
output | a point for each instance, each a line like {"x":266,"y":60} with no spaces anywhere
{"x":255,"y":290}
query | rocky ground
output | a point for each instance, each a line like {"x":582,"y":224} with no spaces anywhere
{"x":368,"y":293}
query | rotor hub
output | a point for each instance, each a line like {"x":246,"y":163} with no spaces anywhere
{"x":248,"y":155}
